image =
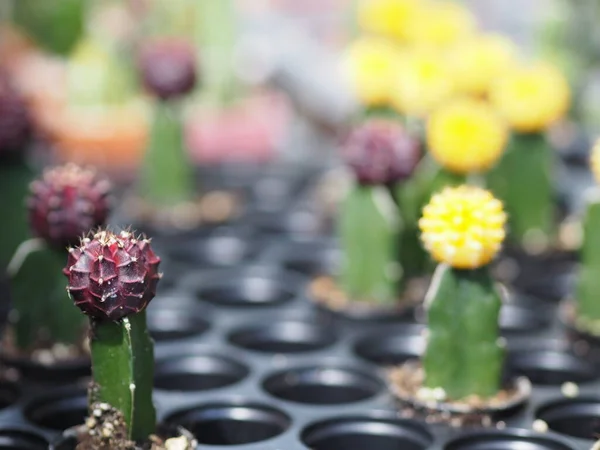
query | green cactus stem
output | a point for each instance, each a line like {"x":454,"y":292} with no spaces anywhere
{"x":167,"y":176}
{"x":464,"y":355}
{"x":14,"y":185}
{"x":41,"y":312}
{"x":523,"y":181}
{"x":369,"y":232}
{"x":123,"y":371}
{"x":588,"y":285}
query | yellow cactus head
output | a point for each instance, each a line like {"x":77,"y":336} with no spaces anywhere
{"x":423,"y":81}
{"x":440,"y":24}
{"x":595,"y":161}
{"x":480,"y":59}
{"x":466,"y":135}
{"x":371,"y":65}
{"x":532,"y":97}
{"x":463,"y":227}
{"x":388,"y":18}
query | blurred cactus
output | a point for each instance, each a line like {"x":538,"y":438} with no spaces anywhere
{"x":54,"y":25}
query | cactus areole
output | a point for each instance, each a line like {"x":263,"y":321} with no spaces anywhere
{"x":112,"y":275}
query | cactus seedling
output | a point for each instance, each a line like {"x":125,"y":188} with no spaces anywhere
{"x":463,"y":229}
{"x":66,"y":202}
{"x":587,"y":308}
{"x":15,"y":172}
{"x":168,"y":70}
{"x":379,"y":153}
{"x":112,"y":278}
{"x":531,"y":99}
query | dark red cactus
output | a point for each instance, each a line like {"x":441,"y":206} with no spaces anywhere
{"x":380,"y":151}
{"x":66,"y":203}
{"x":112,"y":275}
{"x":168,"y":68}
{"x":15,"y":120}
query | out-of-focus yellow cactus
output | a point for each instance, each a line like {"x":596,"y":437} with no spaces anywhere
{"x":466,"y":135}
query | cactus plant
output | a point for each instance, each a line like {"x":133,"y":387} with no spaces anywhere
{"x":112,"y":278}
{"x":531,"y":99}
{"x":15,"y":171}
{"x":66,"y":202}
{"x":167,"y":68}
{"x":588,"y":283}
{"x":463,"y":229}
{"x":379,"y":153}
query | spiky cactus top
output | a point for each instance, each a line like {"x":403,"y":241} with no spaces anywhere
{"x":112,"y":278}
{"x":112,"y":275}
{"x":463,"y":229}
{"x":66,"y":202}
{"x":531,"y":98}
{"x":168,"y":70}
{"x":379,"y":152}
{"x":586,"y":296}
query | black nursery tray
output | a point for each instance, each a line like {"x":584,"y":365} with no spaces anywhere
{"x":246,"y":361}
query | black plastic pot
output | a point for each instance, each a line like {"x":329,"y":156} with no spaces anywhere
{"x":246,"y":361}
{"x":61,"y":372}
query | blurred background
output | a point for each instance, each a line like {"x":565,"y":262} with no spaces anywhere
{"x":271,"y":83}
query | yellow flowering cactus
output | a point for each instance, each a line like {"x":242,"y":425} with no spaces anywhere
{"x":588,"y":282}
{"x":371,"y":65}
{"x":476,"y":62}
{"x":466,"y":135}
{"x":422,"y":82}
{"x":388,"y":18}
{"x":463,"y":229}
{"x":531,"y":98}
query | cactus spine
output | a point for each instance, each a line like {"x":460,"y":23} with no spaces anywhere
{"x":463,"y":355}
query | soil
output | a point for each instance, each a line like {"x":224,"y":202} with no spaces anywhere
{"x":44,"y":352}
{"x":406,"y":384}
{"x":212,"y":207}
{"x":325,"y":291}
{"x":105,"y":429}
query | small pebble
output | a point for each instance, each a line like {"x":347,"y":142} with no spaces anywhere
{"x":569,"y":389}
{"x":540,"y":426}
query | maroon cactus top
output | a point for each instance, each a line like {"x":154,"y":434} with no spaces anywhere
{"x":66,"y":203}
{"x":380,"y":151}
{"x":112,"y":275}
{"x":168,"y":68}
